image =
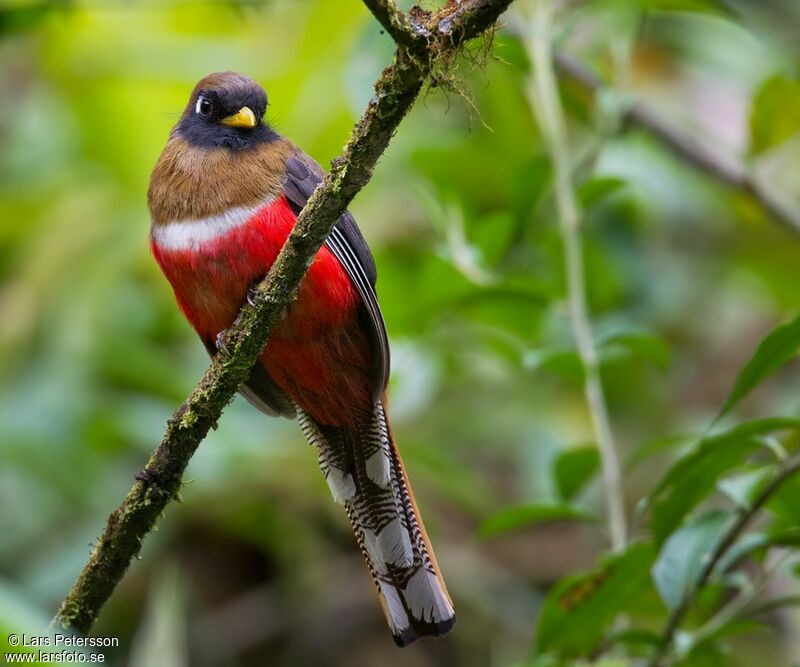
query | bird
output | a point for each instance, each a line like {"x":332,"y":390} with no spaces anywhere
{"x":223,"y":197}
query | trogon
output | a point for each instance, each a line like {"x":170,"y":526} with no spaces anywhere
{"x":223,"y":197}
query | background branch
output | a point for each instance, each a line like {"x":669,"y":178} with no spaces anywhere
{"x":395,"y":92}
{"x":722,"y":167}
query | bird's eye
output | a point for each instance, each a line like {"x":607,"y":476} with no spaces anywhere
{"x":204,"y":106}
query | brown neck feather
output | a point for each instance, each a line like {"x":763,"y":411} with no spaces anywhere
{"x":192,"y":183}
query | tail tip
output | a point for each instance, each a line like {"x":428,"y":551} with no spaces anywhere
{"x":408,"y":636}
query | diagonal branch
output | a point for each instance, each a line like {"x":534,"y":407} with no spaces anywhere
{"x":724,"y":168}
{"x":395,"y":92}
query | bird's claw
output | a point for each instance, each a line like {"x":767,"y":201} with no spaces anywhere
{"x":252,"y":297}
{"x":252,"y":294}
{"x":220,"y":341}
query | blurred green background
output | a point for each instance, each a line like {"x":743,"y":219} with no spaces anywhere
{"x":257,"y":565}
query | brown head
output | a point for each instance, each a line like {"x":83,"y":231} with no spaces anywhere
{"x":221,"y":154}
{"x":225,"y":110}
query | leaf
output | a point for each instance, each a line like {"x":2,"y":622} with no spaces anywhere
{"x":559,"y":360}
{"x":656,"y":446}
{"x":597,"y":189}
{"x":641,"y":343}
{"x":776,"y":113}
{"x":710,"y":650}
{"x":580,"y":608}
{"x":778,"y":347}
{"x":694,"y":475}
{"x":684,"y":555}
{"x":785,"y":502}
{"x":743,"y":547}
{"x":701,"y":6}
{"x":698,"y":6}
{"x":523,"y":516}
{"x":635,"y":638}
{"x":788,"y":537}
{"x":741,"y":488}
{"x":573,"y":469}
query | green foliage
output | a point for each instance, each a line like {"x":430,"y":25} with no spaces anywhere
{"x":694,"y":475}
{"x":486,"y":398}
{"x":594,"y":191}
{"x":573,"y":469}
{"x":774,"y":352}
{"x":775,"y":117}
{"x":581,"y":608}
{"x":705,"y":6}
{"x":682,"y":557}
{"x":529,"y":515}
{"x":641,"y":344}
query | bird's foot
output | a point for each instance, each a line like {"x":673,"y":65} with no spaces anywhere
{"x":220,"y":341}
{"x":252,"y":293}
{"x":252,"y":297}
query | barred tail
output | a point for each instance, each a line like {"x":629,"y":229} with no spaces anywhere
{"x":365,"y":473}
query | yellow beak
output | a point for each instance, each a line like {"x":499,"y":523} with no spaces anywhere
{"x":245,"y":118}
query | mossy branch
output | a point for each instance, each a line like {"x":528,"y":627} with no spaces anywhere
{"x":419,"y":49}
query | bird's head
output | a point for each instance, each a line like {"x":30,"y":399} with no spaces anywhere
{"x":225,"y":110}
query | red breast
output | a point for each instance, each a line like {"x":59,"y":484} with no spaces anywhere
{"x":212,"y":262}
{"x":213,"y":248}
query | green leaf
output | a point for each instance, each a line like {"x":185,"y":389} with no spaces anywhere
{"x":597,"y":189}
{"x":785,"y":502}
{"x":684,"y":555}
{"x":573,"y":469}
{"x":643,"y":344}
{"x":776,"y":113}
{"x":694,"y":475}
{"x":562,"y":361}
{"x":523,"y":516}
{"x":788,"y":537}
{"x":776,"y":349}
{"x":701,"y":6}
{"x":710,"y":651}
{"x":580,"y":608}
{"x":656,"y":446}
{"x":635,"y":639}
{"x":743,"y":547}
{"x":741,"y":488}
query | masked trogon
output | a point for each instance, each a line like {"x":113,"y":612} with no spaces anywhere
{"x":224,"y":196}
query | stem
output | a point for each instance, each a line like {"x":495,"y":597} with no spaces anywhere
{"x":739,"y":603}
{"x":395,"y":93}
{"x":742,"y":518}
{"x":547,"y":107}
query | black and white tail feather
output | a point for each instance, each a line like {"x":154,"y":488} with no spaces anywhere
{"x":364,"y":473}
